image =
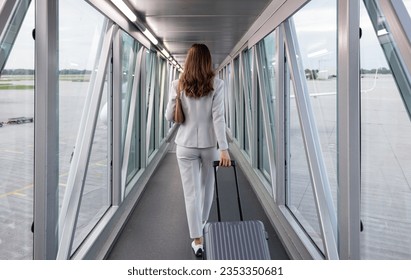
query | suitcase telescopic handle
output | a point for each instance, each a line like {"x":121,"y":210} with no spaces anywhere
{"x":217,"y":163}
{"x":233,"y":164}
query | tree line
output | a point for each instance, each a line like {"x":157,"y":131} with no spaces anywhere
{"x":31,"y":72}
{"x":312,"y":74}
{"x":381,"y":70}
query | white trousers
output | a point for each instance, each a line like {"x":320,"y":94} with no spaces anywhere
{"x":196,"y":170}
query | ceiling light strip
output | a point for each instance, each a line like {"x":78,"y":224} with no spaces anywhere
{"x":133,"y":18}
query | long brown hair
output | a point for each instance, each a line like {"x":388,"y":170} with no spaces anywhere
{"x":197,"y":79}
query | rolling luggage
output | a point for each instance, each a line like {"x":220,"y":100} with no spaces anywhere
{"x":238,"y":240}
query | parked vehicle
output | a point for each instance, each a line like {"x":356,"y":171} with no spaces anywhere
{"x":19,"y":120}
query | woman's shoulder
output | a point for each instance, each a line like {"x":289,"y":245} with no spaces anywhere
{"x":218,"y":81}
{"x":218,"y":84}
{"x":174,"y":84}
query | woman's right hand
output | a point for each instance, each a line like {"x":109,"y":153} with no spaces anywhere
{"x":225,"y":159}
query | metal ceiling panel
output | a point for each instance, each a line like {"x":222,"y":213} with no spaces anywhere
{"x":198,"y":7}
{"x":219,"y":24}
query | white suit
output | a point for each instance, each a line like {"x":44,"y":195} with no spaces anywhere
{"x":196,"y":141}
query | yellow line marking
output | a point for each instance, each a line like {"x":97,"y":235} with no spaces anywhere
{"x":14,"y":152}
{"x":16,"y":192}
{"x":19,"y":194}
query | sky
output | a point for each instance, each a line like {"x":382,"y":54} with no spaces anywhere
{"x":317,"y":36}
{"x":81,"y":26}
{"x":80,"y":29}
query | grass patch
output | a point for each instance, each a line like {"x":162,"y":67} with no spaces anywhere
{"x":17,"y":78}
{"x":61,"y":77}
{"x":75,"y":78}
{"x":18,"y":87}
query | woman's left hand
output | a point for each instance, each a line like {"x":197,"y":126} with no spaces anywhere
{"x":225,"y":159}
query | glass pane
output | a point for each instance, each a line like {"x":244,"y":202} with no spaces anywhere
{"x":17,"y":146}
{"x":129,"y":50}
{"x":245,"y":129}
{"x":229,"y":97}
{"x":241,"y":105}
{"x":267,"y":55}
{"x":164,"y":95}
{"x":152,"y":145}
{"x":134,"y":162}
{"x":149,"y":67}
{"x":79,"y":51}
{"x":247,"y":98}
{"x":390,"y":47}
{"x":235,"y":88}
{"x":154,"y":116}
{"x":250,"y":64}
{"x":407,"y":4}
{"x":269,"y":78}
{"x":166,"y":89}
{"x":316,"y":30}
{"x":385,"y":156}
{"x":317,"y":38}
{"x":96,"y":196}
{"x":263,"y":163}
{"x":300,"y":197}
{"x":150,"y":85}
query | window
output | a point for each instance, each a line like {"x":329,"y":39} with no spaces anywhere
{"x":79,"y":52}
{"x":385,"y":153}
{"x":17,"y":139}
{"x":316,"y":31}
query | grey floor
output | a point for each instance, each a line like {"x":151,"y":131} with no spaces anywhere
{"x":157,"y":228}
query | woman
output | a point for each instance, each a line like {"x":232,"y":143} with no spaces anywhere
{"x":202,"y":97}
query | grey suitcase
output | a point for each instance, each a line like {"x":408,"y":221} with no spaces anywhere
{"x":238,"y":240}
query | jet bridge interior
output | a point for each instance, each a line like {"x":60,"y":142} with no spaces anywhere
{"x":317,"y":105}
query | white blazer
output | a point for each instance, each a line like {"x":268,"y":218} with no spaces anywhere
{"x":204,"y":123}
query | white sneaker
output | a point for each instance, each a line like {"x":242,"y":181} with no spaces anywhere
{"x":198,"y":249}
